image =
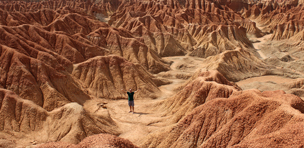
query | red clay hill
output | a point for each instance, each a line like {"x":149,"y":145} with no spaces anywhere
{"x":64,"y":63}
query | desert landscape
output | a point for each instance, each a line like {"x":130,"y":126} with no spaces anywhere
{"x":209,"y":73}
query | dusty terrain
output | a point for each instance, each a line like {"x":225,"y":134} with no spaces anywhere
{"x":210,"y":73}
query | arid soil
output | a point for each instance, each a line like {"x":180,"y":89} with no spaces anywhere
{"x":207,"y":73}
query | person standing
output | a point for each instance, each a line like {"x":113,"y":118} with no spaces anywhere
{"x":130,"y":99}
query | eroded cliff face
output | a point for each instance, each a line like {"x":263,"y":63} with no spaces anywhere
{"x":244,"y":119}
{"x":65,"y":65}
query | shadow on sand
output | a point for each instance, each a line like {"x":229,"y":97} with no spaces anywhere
{"x":140,"y":113}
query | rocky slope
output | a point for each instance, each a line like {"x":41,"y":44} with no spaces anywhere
{"x":48,"y":86}
{"x":239,"y":119}
{"x":26,"y":123}
{"x":202,"y":88}
{"x":46,"y":50}
{"x":171,"y":30}
{"x":63,"y":64}
{"x":101,"y":140}
{"x":104,"y":77}
{"x":240,"y":64}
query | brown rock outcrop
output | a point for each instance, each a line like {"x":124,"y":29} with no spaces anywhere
{"x":96,"y":8}
{"x":75,"y":36}
{"x":104,"y":77}
{"x":288,"y":30}
{"x":122,"y":43}
{"x":184,"y":30}
{"x":156,"y":28}
{"x":100,"y":140}
{"x":24,"y":120}
{"x":39,"y":48}
{"x":244,"y":119}
{"x":284,"y":20}
{"x":63,"y":64}
{"x":239,"y":64}
{"x":32,"y":41}
{"x":212,"y":75}
{"x":213,"y":40}
{"x":202,"y":88}
{"x":34,"y":80}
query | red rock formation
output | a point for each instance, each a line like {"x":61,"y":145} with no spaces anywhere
{"x":101,"y":140}
{"x":212,"y":75}
{"x":287,"y":30}
{"x":283,"y":20}
{"x":213,"y":40}
{"x":237,"y":64}
{"x":56,"y":52}
{"x":36,"y":59}
{"x":34,"y":80}
{"x":202,"y":88}
{"x":94,"y":8}
{"x":31,"y":40}
{"x":104,"y":77}
{"x":171,"y":31}
{"x":240,"y":64}
{"x":39,"y":48}
{"x":244,"y":119}
{"x":122,"y":43}
{"x":29,"y":122}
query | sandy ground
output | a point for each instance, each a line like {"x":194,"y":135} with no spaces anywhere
{"x":276,"y":79}
{"x":134,"y":126}
{"x":146,"y":117}
{"x":258,"y":43}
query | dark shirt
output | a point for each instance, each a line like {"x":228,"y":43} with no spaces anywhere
{"x":130,"y":96}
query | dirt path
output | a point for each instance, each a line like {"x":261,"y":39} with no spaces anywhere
{"x":258,"y":44}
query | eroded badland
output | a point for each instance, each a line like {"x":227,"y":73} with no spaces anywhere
{"x":211,"y":73}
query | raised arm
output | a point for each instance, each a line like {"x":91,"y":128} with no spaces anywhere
{"x":124,"y":90}
{"x":137,"y":90}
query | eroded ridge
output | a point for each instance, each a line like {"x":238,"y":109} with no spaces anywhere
{"x":207,"y":73}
